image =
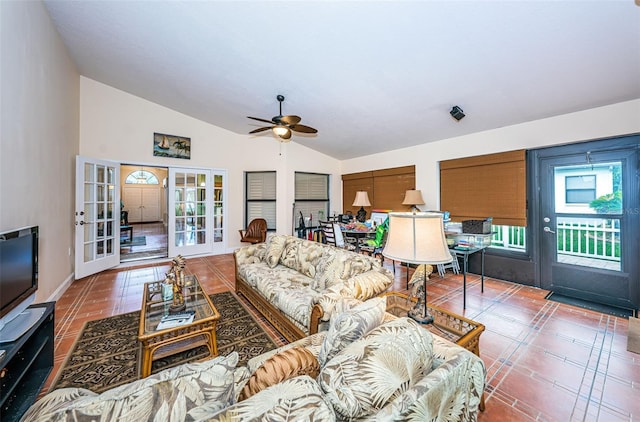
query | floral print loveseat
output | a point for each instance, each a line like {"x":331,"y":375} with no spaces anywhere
{"x":295,"y":283}
{"x":368,"y":365}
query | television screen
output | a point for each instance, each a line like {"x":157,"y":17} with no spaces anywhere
{"x":18,"y":267}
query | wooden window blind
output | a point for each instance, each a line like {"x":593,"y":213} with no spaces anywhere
{"x":492,"y":185}
{"x":385,"y":188}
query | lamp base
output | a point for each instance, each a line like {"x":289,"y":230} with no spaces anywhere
{"x":427,"y":319}
{"x":361,"y":216}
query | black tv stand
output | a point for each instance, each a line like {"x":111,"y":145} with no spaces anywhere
{"x":26,"y":364}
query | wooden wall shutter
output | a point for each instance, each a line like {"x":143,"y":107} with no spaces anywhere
{"x":385,"y":188}
{"x":492,"y":185}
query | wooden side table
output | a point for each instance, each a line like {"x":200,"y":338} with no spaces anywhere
{"x":453,"y":327}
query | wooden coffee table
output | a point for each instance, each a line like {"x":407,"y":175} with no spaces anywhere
{"x":156,"y":344}
{"x":455,"y":328}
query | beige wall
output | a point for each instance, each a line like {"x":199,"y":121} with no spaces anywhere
{"x":613,"y":120}
{"x":39,"y":137}
{"x":118,"y":126}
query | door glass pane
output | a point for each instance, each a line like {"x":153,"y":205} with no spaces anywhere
{"x":589,"y":242}
{"x":100,"y":176}
{"x":594,"y":188}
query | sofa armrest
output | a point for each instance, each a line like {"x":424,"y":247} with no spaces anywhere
{"x":370,"y":284}
{"x":456,"y":384}
{"x":250,"y":254}
{"x":327,"y":299}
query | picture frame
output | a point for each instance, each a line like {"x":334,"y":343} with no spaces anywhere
{"x":172,"y":146}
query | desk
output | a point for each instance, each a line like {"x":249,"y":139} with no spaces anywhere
{"x":465,"y":257}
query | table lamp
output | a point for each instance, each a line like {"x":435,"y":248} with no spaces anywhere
{"x":413,"y":198}
{"x":362,"y":200}
{"x":417,"y":238}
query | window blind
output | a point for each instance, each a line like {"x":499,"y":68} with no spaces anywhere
{"x":311,"y":197}
{"x":492,"y":185}
{"x":261,"y":197}
{"x":385,"y":188}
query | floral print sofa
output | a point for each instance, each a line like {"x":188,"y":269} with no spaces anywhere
{"x":368,"y":365}
{"x":295,"y":283}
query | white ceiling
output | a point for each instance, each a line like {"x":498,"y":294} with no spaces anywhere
{"x":370,"y":76}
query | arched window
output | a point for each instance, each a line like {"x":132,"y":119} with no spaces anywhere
{"x":141,"y":177}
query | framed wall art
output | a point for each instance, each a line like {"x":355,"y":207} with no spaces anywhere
{"x":171,"y":146}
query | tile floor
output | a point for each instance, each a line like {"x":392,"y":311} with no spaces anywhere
{"x":545,"y":361}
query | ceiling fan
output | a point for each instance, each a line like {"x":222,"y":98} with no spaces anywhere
{"x":283,"y":125}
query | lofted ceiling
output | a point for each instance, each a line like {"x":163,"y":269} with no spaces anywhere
{"x":370,"y":76}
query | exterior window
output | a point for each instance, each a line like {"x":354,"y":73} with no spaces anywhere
{"x":311,"y":198}
{"x":260,"y":199}
{"x":141,"y":177}
{"x":509,"y":238}
{"x":580,"y":189}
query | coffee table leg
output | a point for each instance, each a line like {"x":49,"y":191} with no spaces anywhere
{"x":145,"y":362}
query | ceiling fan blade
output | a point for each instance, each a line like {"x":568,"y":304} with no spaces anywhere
{"x":290,"y":120}
{"x":260,"y":120}
{"x":260,"y":129}
{"x":303,"y":129}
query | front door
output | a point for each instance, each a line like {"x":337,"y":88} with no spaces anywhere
{"x":97,"y":216}
{"x":588,"y":234}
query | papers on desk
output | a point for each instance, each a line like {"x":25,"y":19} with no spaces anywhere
{"x":175,"y":320}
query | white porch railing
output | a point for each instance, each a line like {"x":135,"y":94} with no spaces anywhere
{"x":589,"y":238}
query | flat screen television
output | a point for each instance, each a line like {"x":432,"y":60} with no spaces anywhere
{"x":18,"y":280}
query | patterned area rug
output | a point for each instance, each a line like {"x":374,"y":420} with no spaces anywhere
{"x":105,"y":354}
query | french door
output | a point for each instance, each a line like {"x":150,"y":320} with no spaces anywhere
{"x":196,"y":211}
{"x":588,"y":220}
{"x":97,"y":216}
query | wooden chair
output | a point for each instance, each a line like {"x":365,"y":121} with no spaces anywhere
{"x":333,"y":235}
{"x":256,"y":231}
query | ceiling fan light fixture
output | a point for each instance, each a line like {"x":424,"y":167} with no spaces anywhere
{"x":280,"y":130}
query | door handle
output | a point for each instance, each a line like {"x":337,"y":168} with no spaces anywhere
{"x":548,"y":230}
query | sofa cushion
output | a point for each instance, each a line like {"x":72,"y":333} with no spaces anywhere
{"x":372,"y":371}
{"x":349,"y":324}
{"x":309,"y":255}
{"x":295,"y":301}
{"x":330,"y":269}
{"x":286,"y":364}
{"x":274,"y":249}
{"x":167,"y":395}
{"x":289,"y":257}
{"x":298,"y":398}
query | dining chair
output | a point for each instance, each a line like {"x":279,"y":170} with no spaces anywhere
{"x":333,"y":235}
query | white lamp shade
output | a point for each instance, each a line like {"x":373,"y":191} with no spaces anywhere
{"x":362,"y":199}
{"x":417,"y":238}
{"x":413,"y":197}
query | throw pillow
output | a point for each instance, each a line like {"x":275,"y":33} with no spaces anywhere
{"x":287,"y":364}
{"x":348,"y":324}
{"x":295,"y":399}
{"x":370,"y":372}
{"x":275,"y":247}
